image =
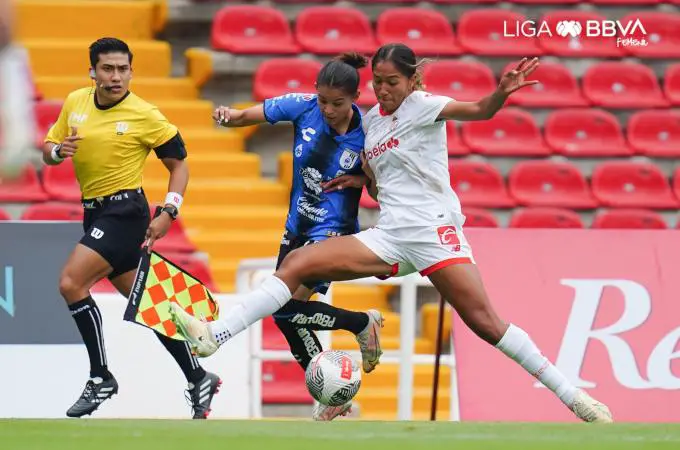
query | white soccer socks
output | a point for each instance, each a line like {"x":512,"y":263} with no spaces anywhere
{"x":517,"y":344}
{"x":256,"y":305}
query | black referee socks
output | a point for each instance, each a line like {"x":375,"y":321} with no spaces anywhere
{"x":185,"y":359}
{"x":315,"y":315}
{"x":89,"y":321}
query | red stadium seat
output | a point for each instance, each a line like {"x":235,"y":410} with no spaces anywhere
{"x":176,"y":240}
{"x":481,"y":32}
{"x":25,"y":188}
{"x":426,"y":31}
{"x":585,"y":133}
{"x":629,"y":218}
{"x":676,"y":184}
{"x":545,"y":2}
{"x":281,"y":76}
{"x":250,"y":29}
{"x":625,"y":2}
{"x":453,"y":143}
{"x":661,"y":31}
{"x":366,"y":201}
{"x":272,"y":338}
{"x":479,"y":184}
{"x":479,"y":218}
{"x":655,"y":133}
{"x":632,"y":185}
{"x":545,"y":218}
{"x":283,"y":382}
{"x":104,"y":286}
{"x":671,"y":84}
{"x":549,"y":183}
{"x":462,"y":80}
{"x":622,"y":85}
{"x":579,"y":46}
{"x":72,"y":212}
{"x":46,"y":114}
{"x":511,"y":132}
{"x":60,"y":182}
{"x":4,"y":215}
{"x":557,"y":88}
{"x":366,"y":92}
{"x":328,"y":30}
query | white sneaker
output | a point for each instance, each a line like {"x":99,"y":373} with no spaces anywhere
{"x":588,"y":409}
{"x":197,"y":332}
{"x":369,"y":340}
{"x":325,"y":413}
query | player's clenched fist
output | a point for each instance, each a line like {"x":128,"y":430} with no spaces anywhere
{"x":222,"y":115}
{"x":69,"y":147}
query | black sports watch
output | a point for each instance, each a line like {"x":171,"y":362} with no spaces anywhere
{"x":171,"y":210}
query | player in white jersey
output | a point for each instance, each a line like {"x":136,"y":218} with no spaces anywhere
{"x":17,"y":124}
{"x":420,"y":224}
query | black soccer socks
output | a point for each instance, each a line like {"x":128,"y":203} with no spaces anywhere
{"x":89,"y":321}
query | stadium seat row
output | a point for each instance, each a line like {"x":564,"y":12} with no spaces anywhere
{"x":456,"y":2}
{"x":327,"y":30}
{"x":548,"y":183}
{"x":615,"y":85}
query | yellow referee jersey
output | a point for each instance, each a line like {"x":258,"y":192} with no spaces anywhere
{"x":115,"y":140}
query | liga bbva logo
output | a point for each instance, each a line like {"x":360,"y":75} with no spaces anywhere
{"x":568,"y":27}
{"x":575,"y":28}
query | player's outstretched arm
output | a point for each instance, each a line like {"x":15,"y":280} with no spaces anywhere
{"x":487,"y":107}
{"x":230,"y":117}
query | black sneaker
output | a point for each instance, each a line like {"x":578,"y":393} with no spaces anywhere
{"x":200,"y":395}
{"x":96,"y":392}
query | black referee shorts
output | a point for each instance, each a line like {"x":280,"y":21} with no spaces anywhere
{"x":291,"y":242}
{"x":115,"y":227}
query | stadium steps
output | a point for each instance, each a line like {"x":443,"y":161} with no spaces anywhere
{"x":384,"y":399}
{"x":205,"y":166}
{"x":429,"y":316}
{"x":243,"y":244}
{"x":229,"y":192}
{"x":344,"y":340}
{"x":359,"y":297}
{"x":251,"y":218}
{"x":152,"y":89}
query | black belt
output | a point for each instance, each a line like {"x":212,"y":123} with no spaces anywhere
{"x":98,"y":202}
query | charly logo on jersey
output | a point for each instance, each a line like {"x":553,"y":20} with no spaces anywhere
{"x":312,"y":179}
{"x":348,"y":159}
{"x":121,"y":128}
{"x":298,"y":151}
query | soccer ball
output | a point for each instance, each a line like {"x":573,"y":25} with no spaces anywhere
{"x":333,"y":378}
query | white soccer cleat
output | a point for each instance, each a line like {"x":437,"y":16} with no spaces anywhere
{"x":588,"y":409}
{"x":197,"y":332}
{"x":323,"y":413}
{"x":369,"y":340}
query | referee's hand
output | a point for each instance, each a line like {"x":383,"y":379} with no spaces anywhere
{"x":157,"y":229}
{"x":70,"y":145}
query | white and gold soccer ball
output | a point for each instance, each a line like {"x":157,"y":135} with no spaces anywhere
{"x":333,"y":378}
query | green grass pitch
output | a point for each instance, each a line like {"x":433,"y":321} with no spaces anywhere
{"x":99,"y":434}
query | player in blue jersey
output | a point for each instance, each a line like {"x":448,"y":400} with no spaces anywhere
{"x":324,"y":202}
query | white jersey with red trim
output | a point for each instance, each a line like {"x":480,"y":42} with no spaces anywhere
{"x":407,"y":152}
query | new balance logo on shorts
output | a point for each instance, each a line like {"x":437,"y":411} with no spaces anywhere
{"x":96,"y":233}
{"x":448,"y":236}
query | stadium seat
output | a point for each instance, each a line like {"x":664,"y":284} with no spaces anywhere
{"x":545,"y":2}
{"x":453,"y":142}
{"x":366,"y":93}
{"x":283,"y":382}
{"x":511,"y":132}
{"x":251,"y":29}
{"x":479,"y":184}
{"x":578,"y":46}
{"x":428,"y":32}
{"x":557,"y":88}
{"x":622,"y":85}
{"x":4,"y":215}
{"x":629,"y":218}
{"x":462,"y":80}
{"x":54,"y":211}
{"x":549,"y":183}
{"x":60,"y":182}
{"x":624,"y":2}
{"x":46,"y":114}
{"x":671,"y":84}
{"x":176,"y":240}
{"x":662,"y":34}
{"x":585,"y":133}
{"x":281,"y":76}
{"x":366,"y":201}
{"x":655,"y":133}
{"x":632,"y":185}
{"x":329,"y":30}
{"x":272,"y":338}
{"x":481,"y":32}
{"x":479,"y":218}
{"x":545,"y":218}
{"x":24,"y":189}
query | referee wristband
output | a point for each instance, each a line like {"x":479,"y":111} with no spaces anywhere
{"x":174,"y":199}
{"x":54,"y":154}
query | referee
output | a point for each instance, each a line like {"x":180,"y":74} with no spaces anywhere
{"x":108,"y":132}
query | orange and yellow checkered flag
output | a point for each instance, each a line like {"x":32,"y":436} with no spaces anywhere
{"x":159,"y":282}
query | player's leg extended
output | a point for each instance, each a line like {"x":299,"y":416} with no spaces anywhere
{"x":461,"y":285}
{"x":202,"y":385}
{"x":337,"y":259}
{"x":83,"y":269}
